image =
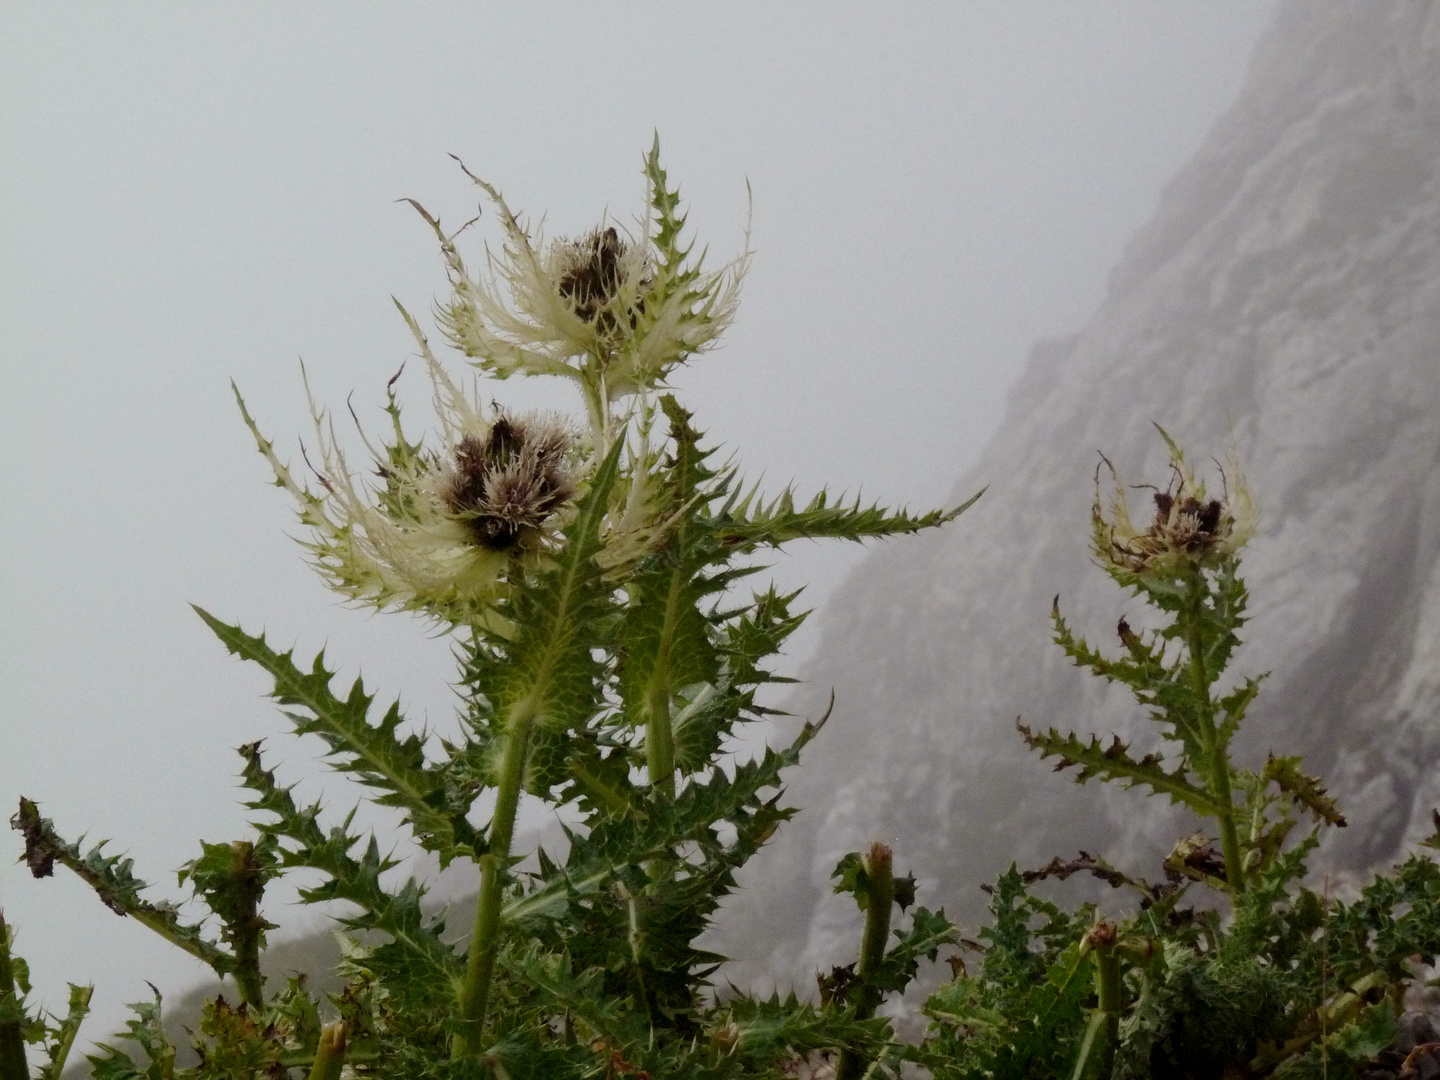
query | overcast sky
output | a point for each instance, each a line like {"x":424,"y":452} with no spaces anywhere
{"x":193,"y":193}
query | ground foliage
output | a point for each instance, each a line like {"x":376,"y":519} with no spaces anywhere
{"x":595,"y":589}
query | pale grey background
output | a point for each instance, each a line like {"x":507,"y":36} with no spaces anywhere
{"x":190,"y":193}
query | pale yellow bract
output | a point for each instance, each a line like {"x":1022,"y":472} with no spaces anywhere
{"x":614,"y":312}
{"x":400,"y":540}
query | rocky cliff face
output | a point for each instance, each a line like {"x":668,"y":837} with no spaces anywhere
{"x":1284,"y":301}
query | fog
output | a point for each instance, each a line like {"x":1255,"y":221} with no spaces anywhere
{"x":191,"y":194}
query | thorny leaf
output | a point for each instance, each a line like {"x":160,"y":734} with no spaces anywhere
{"x":1306,"y":791}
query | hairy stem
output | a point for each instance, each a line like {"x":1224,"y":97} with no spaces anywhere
{"x":1107,"y":988}
{"x":879,"y":896}
{"x":637,"y":956}
{"x":597,"y":405}
{"x":1329,"y":1017}
{"x":329,"y":1053}
{"x":659,"y":738}
{"x":43,"y":845}
{"x":12,"y":1038}
{"x":480,"y":963}
{"x":1219,"y":763}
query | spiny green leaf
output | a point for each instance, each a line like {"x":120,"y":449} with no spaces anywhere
{"x":553,"y":978}
{"x":758,"y":1029}
{"x":1113,"y":762}
{"x":1145,"y":668}
{"x":927,"y":933}
{"x":1232,"y":708}
{"x":1395,"y":918}
{"x":753,"y":522}
{"x":1150,"y":677}
{"x":754,"y":636}
{"x":1371,"y":1032}
{"x":850,"y":877}
{"x":1284,"y":773}
{"x":429,"y":963}
{"x":374,"y":754}
{"x":62,"y":1036}
{"x":147,"y":1032}
{"x":665,"y":202}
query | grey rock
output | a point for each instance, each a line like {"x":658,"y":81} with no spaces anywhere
{"x":1283,"y":302}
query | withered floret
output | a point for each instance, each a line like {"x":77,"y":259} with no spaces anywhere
{"x":1188,"y":529}
{"x":595,"y":278}
{"x":504,"y":486}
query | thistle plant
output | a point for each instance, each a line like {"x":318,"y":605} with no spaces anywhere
{"x":1185,"y":564}
{"x":590,"y":573}
{"x":1290,"y":982}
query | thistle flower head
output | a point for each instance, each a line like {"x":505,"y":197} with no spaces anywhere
{"x":1189,"y":529}
{"x":614,"y":311}
{"x":589,"y":273}
{"x":443,"y":530}
{"x":505,"y":484}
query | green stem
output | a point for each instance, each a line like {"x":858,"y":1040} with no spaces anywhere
{"x":480,"y":963}
{"x":329,"y":1053}
{"x":12,"y":1038}
{"x":1096,"y":1056}
{"x":879,"y":896}
{"x":597,"y":408}
{"x":248,"y":926}
{"x":1219,"y":763}
{"x":1108,"y":989}
{"x":79,"y":1007}
{"x":659,"y":736}
{"x":1326,"y":1018}
{"x":637,"y":956}
{"x":42,"y":841}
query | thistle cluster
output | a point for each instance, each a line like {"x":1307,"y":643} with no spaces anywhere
{"x":451,"y":530}
{"x":589,"y":572}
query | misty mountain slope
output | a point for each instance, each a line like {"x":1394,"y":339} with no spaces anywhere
{"x":1283,"y":301}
